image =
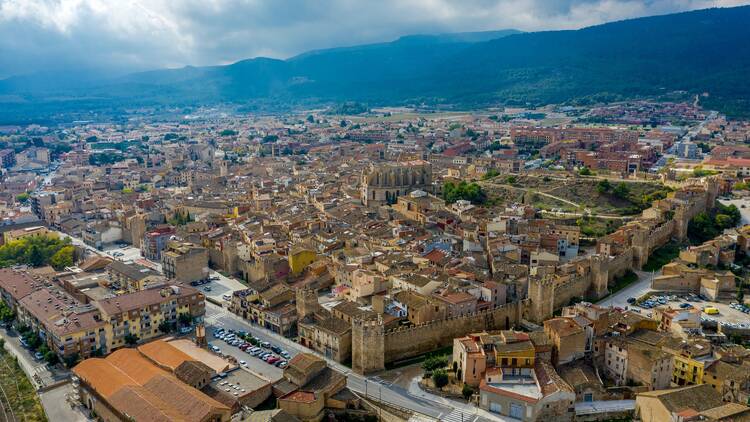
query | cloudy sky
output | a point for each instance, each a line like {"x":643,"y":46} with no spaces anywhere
{"x":126,"y":35}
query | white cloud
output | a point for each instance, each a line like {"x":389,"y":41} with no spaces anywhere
{"x":126,"y":35}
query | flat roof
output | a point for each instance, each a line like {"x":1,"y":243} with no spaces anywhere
{"x":238,"y":380}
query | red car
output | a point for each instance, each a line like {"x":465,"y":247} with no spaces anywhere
{"x":272,"y":360}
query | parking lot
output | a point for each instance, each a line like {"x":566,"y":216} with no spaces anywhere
{"x":729,"y":313}
{"x":220,"y":288}
{"x":217,"y":287}
{"x":252,"y":361}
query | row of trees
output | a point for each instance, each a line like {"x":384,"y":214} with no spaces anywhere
{"x":38,"y":251}
{"x":35,"y":344}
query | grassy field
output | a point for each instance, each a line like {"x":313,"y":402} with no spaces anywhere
{"x":597,"y":227}
{"x":17,"y":392}
{"x":574,"y":194}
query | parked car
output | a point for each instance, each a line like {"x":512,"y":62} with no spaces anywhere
{"x":272,"y":360}
{"x":39,"y":356}
{"x":226,"y":297}
{"x":280,"y":363}
{"x":285,"y":354}
{"x":265,"y":345}
{"x":276,"y":349}
{"x":631,"y":300}
{"x":207,"y":289}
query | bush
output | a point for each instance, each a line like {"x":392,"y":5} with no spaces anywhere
{"x":621,"y":190}
{"x":435,"y":362}
{"x":440,"y":378}
{"x":603,"y":186}
{"x":490,"y":174}
{"x":467,"y":391}
{"x":131,"y":339}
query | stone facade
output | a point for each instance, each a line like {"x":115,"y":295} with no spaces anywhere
{"x":382,"y":184}
{"x":629,"y":247}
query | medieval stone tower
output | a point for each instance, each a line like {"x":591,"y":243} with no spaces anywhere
{"x":640,"y":243}
{"x":599,"y":276}
{"x":307,"y":302}
{"x":542,"y":296}
{"x":368,"y":345}
{"x":681,"y":220}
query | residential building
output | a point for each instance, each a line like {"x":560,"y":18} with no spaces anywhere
{"x":184,"y":262}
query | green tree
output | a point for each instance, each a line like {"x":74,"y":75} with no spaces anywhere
{"x":603,"y":186}
{"x":51,"y":358}
{"x":585,"y":171}
{"x":467,"y":391}
{"x":71,"y":360}
{"x":166,"y":327}
{"x":310,"y":118}
{"x":22,"y":197}
{"x":62,"y":258}
{"x":468,"y":191}
{"x":35,"y":256}
{"x":440,"y":378}
{"x":621,"y":190}
{"x":7,"y":315}
{"x":131,"y":339}
{"x":724,"y":221}
{"x":185,"y":318}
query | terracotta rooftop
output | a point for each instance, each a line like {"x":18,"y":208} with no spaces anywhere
{"x":300,"y":396}
{"x":164,"y":354}
{"x":17,"y":283}
{"x":138,"y":388}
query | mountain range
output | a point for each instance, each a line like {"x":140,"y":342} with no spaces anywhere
{"x":705,"y":51}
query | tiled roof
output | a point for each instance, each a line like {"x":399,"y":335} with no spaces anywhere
{"x":137,"y":387}
{"x":696,"y":397}
{"x":164,"y":354}
{"x":17,"y":283}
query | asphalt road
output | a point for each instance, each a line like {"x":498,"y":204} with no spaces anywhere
{"x":375,"y":388}
{"x":217,"y":316}
{"x":640,"y":287}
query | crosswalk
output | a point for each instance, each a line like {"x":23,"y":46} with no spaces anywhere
{"x":458,"y":416}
